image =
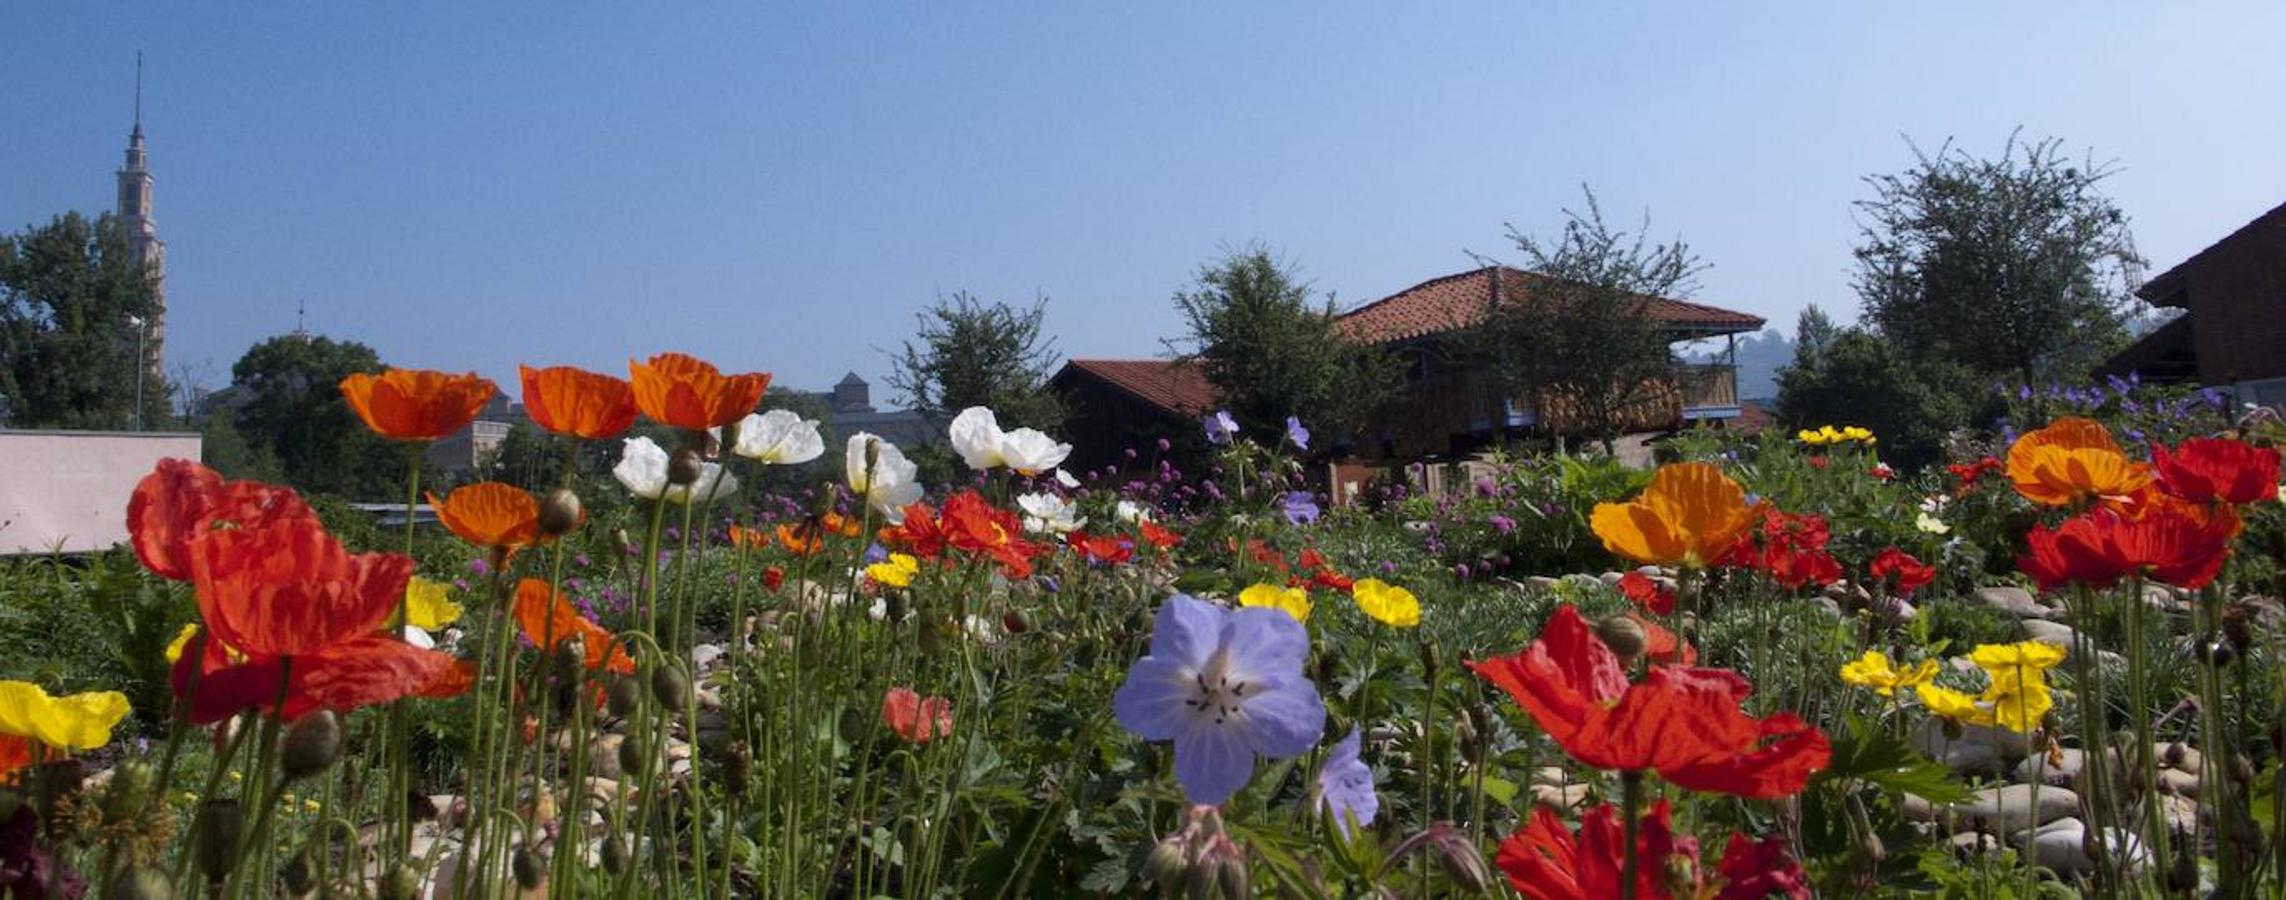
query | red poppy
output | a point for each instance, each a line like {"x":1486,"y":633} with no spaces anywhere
{"x":1157,"y":536}
{"x":1901,"y":570}
{"x":491,"y":514}
{"x":915,"y":718}
{"x":1102,"y":548}
{"x":2204,"y":470}
{"x":1820,"y":462}
{"x":1661,"y":647}
{"x":1653,"y":597}
{"x":180,"y":501}
{"x":1790,"y":548}
{"x":1682,"y":722}
{"x":1328,"y":579}
{"x":1881,"y":470}
{"x":289,"y":589}
{"x":1260,"y":552}
{"x":976,"y":526}
{"x":918,"y":535}
{"x":685,"y":392}
{"x":2072,"y":553}
{"x":345,"y":675}
{"x":1309,"y":558}
{"x":15,"y":754}
{"x":1546,"y":861}
{"x":1968,"y":474}
{"x":548,"y":620}
{"x":416,"y":404}
{"x":773,"y":577}
{"x":577,"y":402}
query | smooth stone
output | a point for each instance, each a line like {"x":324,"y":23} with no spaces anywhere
{"x":2014,"y":601}
{"x":2181,"y":756}
{"x":1980,"y":749}
{"x":2062,"y":846}
{"x":2004,"y":809}
{"x":2065,"y":773}
{"x":1610,"y":579}
{"x":603,"y":756}
{"x":1828,"y":605}
{"x":703,"y":656}
{"x":2182,"y":813}
{"x":1559,"y":797}
{"x":2179,"y":782}
{"x":1538,"y":583}
{"x":1584,"y":581}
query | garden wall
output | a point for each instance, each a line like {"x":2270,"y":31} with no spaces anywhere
{"x":67,"y":490}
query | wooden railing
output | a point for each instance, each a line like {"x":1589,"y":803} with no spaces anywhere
{"x":1706,"y":386}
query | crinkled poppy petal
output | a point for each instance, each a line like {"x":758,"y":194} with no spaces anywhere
{"x":490,"y":514}
{"x":1540,"y":857}
{"x":165,"y":510}
{"x":1754,"y":870}
{"x":416,"y":404}
{"x":577,"y":402}
{"x":289,"y":588}
{"x":361,"y":672}
{"x":548,"y":620}
{"x":1781,"y":768}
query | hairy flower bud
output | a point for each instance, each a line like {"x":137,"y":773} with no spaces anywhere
{"x":218,"y":838}
{"x":1169,"y":862}
{"x":1431,"y":660}
{"x":631,"y":755}
{"x":684,"y":467}
{"x":614,"y":854}
{"x":671,"y":687}
{"x":297,"y":876}
{"x":623,"y":697}
{"x":527,"y":867}
{"x":1623,"y":635}
{"x":399,"y":883}
{"x":141,"y":883}
{"x":737,"y":769}
{"x":130,"y":791}
{"x":560,"y":512}
{"x":312,"y":745}
{"x":1015,"y":621}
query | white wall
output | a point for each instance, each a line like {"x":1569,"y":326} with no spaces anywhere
{"x":68,"y":490}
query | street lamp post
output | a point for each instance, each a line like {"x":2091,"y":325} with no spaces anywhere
{"x":141,"y":363}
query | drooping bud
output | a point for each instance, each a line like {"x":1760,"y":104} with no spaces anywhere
{"x":1432,"y":660}
{"x":399,"y":883}
{"x":1623,"y":635}
{"x":671,"y":687}
{"x":130,"y":791}
{"x":614,"y":854}
{"x":737,"y":769}
{"x":312,"y":745}
{"x":527,"y":867}
{"x":297,"y":876}
{"x":631,"y":755}
{"x":560,"y":512}
{"x":218,"y":838}
{"x":141,"y":883}
{"x":1169,"y":863}
{"x":1015,"y":621}
{"x":684,"y":467}
{"x":623,"y":697}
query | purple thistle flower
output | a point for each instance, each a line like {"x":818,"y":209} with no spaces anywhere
{"x":1299,"y":508}
{"x":1221,"y":428}
{"x":1345,"y":785}
{"x":1165,"y":445}
{"x":1502,"y":524}
{"x":479,"y":567}
{"x":1225,"y":686}
{"x":1296,"y":434}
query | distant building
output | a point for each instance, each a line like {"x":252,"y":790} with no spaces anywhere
{"x":849,"y":410}
{"x":468,"y":448}
{"x":1115,"y":405}
{"x":143,"y":236}
{"x":2232,"y":331}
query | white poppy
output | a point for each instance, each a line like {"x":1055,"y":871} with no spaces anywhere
{"x":1030,"y":453}
{"x":779,"y":437}
{"x":1931,"y":524}
{"x":976,"y":436}
{"x":894,"y":481}
{"x":643,"y":469}
{"x":1131,"y":512}
{"x":1066,"y":479}
{"x":1050,"y":514}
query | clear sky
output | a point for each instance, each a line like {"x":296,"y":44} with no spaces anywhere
{"x":469,"y":186}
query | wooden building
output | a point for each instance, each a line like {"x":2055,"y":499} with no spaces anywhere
{"x":2232,"y":330}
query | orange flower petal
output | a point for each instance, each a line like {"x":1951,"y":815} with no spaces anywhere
{"x":577,"y":402}
{"x":491,"y":514}
{"x":416,"y":404}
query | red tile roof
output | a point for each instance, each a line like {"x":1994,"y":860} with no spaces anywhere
{"x":1459,"y":300}
{"x":1179,"y":388}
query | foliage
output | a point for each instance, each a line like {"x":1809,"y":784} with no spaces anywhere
{"x":2013,"y":268}
{"x":972,"y":353}
{"x":1583,"y":339}
{"x":70,"y":293}
{"x":288,"y":404}
{"x":1271,"y":354}
{"x":1855,"y":377}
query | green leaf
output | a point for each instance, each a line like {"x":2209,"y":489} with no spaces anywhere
{"x":1880,"y":758}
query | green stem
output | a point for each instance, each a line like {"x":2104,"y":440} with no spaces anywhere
{"x":1630,"y":801}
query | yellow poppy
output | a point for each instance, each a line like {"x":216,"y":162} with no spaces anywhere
{"x":1689,"y":516}
{"x":1855,"y":433}
{"x":2070,"y":460}
{"x":1387,"y":603}
{"x":1874,"y":671}
{"x":429,"y":604}
{"x":1947,"y":703}
{"x":896,"y":571}
{"x":77,"y":722}
{"x":182,"y":640}
{"x":1293,"y":600}
{"x":2019,"y":693}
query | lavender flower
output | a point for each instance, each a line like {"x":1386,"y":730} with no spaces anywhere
{"x":1345,"y":785}
{"x":1221,"y":428}
{"x":1165,"y":445}
{"x":1225,"y":686}
{"x":1296,"y":434}
{"x":1502,"y":524}
{"x":1300,"y":508}
{"x":479,"y":567}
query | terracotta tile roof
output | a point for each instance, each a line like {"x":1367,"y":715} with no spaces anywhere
{"x":1459,"y":300}
{"x":1178,"y":388}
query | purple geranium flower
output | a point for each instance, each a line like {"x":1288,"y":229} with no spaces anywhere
{"x":1225,"y":686}
{"x":1295,"y":433}
{"x":1345,"y":785}
{"x":1221,"y":428}
{"x":1300,"y":508}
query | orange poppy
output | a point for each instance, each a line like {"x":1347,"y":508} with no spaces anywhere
{"x":2072,"y":460}
{"x":746,"y":538}
{"x":180,"y":501}
{"x":290,"y":589}
{"x":837,"y":523}
{"x":489,"y":514}
{"x":802,"y":539}
{"x":1690,"y":516}
{"x":688,"y":393}
{"x":416,"y":404}
{"x":916,"y":718}
{"x":548,"y":620}
{"x":15,"y":754}
{"x":577,"y":402}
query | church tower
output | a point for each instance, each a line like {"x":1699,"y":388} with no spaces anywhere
{"x":142,"y":232}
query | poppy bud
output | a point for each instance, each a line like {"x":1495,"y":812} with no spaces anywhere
{"x":400,"y":883}
{"x":2235,"y":630}
{"x":1623,"y":635}
{"x":631,"y":755}
{"x":737,"y":768}
{"x":684,"y":467}
{"x":1168,"y":864}
{"x":130,"y":791}
{"x":625,"y":543}
{"x":141,"y":883}
{"x":218,"y":838}
{"x":1205,"y":878}
{"x":1681,"y":875}
{"x":927,"y":640}
{"x":1015,"y":621}
{"x":851,"y":725}
{"x":1431,"y":660}
{"x":671,"y":687}
{"x":560,"y":512}
{"x":614,"y":854}
{"x":298,"y":878}
{"x":312,"y":745}
{"x":2218,"y":653}
{"x":525,"y":865}
{"x":623,"y":697}
{"x":1462,"y":861}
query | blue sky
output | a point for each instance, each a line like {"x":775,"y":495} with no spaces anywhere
{"x":782,"y":188}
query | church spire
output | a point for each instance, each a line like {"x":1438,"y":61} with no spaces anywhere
{"x":142,"y":231}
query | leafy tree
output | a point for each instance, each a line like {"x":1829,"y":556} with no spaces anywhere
{"x":70,"y":293}
{"x":225,"y":450}
{"x":2012,"y":268}
{"x":289,"y":404}
{"x":1272,"y":354}
{"x":1854,"y":377}
{"x":1583,"y":339}
{"x":971,"y":353}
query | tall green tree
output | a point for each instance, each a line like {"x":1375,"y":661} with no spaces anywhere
{"x":72,"y":297}
{"x":2014,"y":268}
{"x":1855,"y":377}
{"x":1584,"y":337}
{"x":972,"y":353}
{"x":1272,"y":353}
{"x":286,"y":401}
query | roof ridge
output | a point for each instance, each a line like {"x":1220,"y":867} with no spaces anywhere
{"x":1437,"y":280}
{"x":2210,"y":248}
